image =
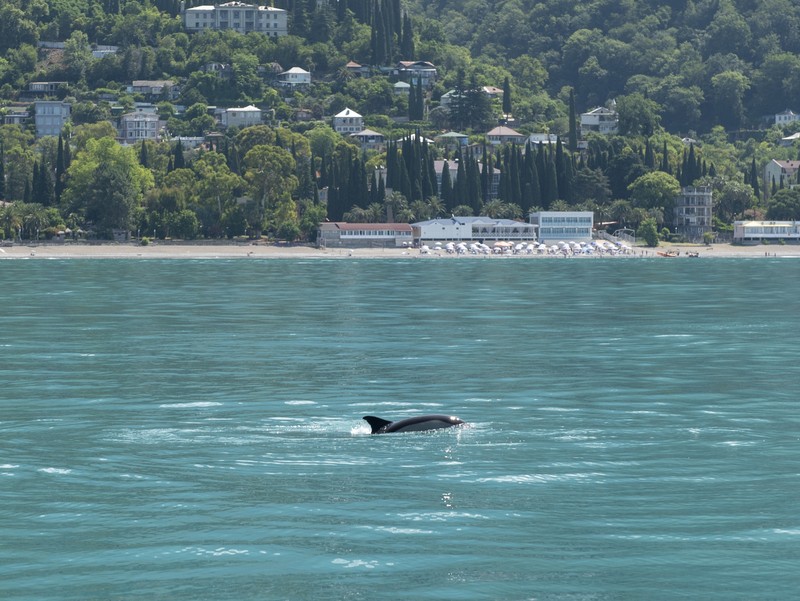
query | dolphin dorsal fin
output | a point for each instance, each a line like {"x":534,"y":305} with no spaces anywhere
{"x":376,"y":423}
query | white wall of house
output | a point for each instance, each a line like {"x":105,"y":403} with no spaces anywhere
{"x":575,"y":226}
{"x":238,"y":16}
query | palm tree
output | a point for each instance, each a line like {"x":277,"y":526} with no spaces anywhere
{"x":396,"y":204}
{"x":421,"y":210}
{"x":356,"y":215}
{"x":436,"y":206}
{"x":12,"y":220}
{"x":375,"y":213}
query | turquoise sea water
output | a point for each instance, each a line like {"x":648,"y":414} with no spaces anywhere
{"x":185,"y":430}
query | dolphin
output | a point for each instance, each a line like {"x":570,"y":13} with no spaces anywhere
{"x":412,"y":424}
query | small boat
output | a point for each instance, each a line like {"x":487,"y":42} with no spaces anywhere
{"x":667,"y":253}
{"x":694,"y":254}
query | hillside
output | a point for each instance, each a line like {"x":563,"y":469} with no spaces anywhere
{"x":715,"y":72}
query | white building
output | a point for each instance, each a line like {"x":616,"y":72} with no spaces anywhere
{"x":241,"y":117}
{"x":348,"y":122}
{"x":693,"y":212}
{"x":369,"y":139}
{"x":371,"y":235}
{"x":475,"y":229}
{"x":573,"y":226}
{"x":238,"y":16}
{"x":600,"y":120}
{"x":758,"y":231}
{"x":786,"y":117}
{"x":295,"y":76}
{"x":139,"y":125}
{"x":50,"y":116}
{"x":782,"y":174}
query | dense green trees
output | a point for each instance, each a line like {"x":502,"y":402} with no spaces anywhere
{"x":707,"y":71}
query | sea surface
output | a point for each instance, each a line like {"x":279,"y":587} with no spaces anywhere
{"x":191,"y":429}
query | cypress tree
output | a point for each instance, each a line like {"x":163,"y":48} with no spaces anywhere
{"x":143,"y":158}
{"x":754,"y":178}
{"x":407,"y":44}
{"x":179,"y":162}
{"x":45,"y":184}
{"x":2,"y":171}
{"x":460,"y":187}
{"x":649,"y":157}
{"x":59,"y":175}
{"x":665,"y":160}
{"x":35,"y":183}
{"x":573,"y":126}
{"x":446,"y":188}
{"x":506,"y":97}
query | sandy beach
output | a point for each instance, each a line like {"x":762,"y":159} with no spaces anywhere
{"x":202,"y":250}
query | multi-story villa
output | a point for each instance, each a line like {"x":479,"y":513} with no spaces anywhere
{"x":50,"y":116}
{"x":139,"y":125}
{"x":241,"y":116}
{"x":600,"y":120}
{"x":238,"y":16}
{"x":348,"y":122}
{"x":693,"y":212}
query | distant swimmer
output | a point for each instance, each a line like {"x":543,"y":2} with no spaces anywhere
{"x":412,"y":424}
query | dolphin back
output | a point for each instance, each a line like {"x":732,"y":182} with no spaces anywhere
{"x":412,"y":424}
{"x":376,"y":423}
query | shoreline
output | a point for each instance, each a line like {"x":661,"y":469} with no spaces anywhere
{"x":201,"y":250}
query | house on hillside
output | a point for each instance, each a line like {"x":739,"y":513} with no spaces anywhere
{"x":223,"y":71}
{"x":401,"y":88}
{"x":241,"y":116}
{"x":142,"y":124}
{"x":692,"y":212}
{"x":239,"y":16}
{"x":600,"y":120}
{"x":15,"y":114}
{"x":348,"y":122}
{"x":154,"y":89}
{"x":294,"y":77}
{"x":781,"y":174}
{"x":504,"y":135}
{"x":47,"y":88}
{"x":452,"y":141}
{"x":369,"y":140}
{"x":356,"y":70}
{"x":50,"y":116}
{"x":786,"y":117}
{"x":543,"y":138}
{"x":417,"y":72}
